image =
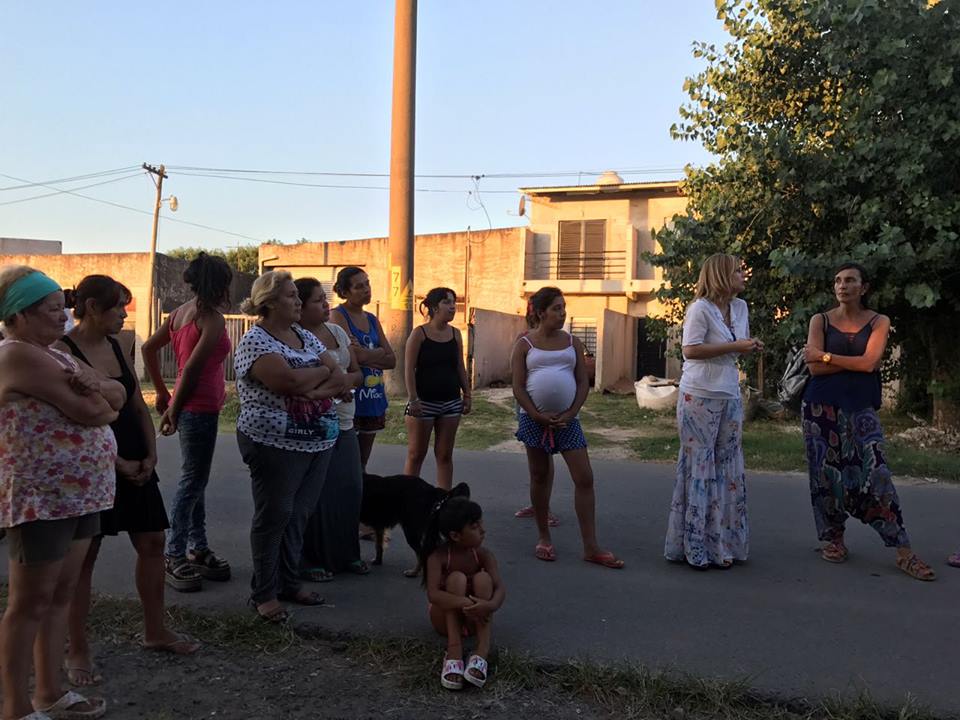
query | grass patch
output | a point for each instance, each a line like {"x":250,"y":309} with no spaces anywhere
{"x":625,"y":690}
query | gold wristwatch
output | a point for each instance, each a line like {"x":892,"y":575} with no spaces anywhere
{"x":826,"y":358}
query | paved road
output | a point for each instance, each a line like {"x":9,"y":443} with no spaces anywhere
{"x":795,"y":625}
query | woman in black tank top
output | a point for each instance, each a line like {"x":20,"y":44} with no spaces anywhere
{"x":437,"y":386}
{"x":842,"y":432}
{"x":100,"y":308}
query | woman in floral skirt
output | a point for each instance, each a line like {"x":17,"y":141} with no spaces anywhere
{"x":708,"y":513}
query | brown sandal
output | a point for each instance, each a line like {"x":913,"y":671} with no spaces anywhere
{"x":834,"y":552}
{"x":916,"y":568}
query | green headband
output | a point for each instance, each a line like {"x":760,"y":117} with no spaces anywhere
{"x":25,"y":292}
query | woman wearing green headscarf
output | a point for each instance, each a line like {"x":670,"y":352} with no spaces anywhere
{"x":57,"y":459}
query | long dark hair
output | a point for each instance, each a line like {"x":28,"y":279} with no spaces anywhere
{"x":342,"y":284}
{"x":433,"y":299}
{"x":451,"y":514}
{"x":209,"y":277}
{"x":539,"y":302}
{"x":864,"y":278}
{"x":105,"y":292}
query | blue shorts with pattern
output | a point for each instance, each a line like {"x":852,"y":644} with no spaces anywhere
{"x":550,"y":440}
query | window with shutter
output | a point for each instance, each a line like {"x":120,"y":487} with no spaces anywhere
{"x":582,"y":249}
{"x":568,"y":258}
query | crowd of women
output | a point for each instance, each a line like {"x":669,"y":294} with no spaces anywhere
{"x":78,"y":450}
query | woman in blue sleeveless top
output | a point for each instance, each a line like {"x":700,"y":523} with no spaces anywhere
{"x":841,"y":427}
{"x":373,"y":351}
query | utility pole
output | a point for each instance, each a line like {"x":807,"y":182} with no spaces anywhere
{"x":401,"y":183}
{"x":160,"y":172}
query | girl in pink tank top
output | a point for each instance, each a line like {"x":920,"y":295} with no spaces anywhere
{"x":197,"y":330}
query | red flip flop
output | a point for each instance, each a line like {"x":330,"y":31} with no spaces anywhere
{"x":546,"y":552}
{"x":607,"y":559}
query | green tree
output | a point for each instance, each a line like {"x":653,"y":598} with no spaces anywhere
{"x":836,"y":128}
{"x":242,"y":259}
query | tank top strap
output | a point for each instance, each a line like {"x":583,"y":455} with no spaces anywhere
{"x":872,"y":320}
{"x":127,"y":376}
{"x":527,"y":341}
{"x":476,"y":557}
{"x":423,"y":330}
{"x":74,"y":348}
{"x":571,"y":340}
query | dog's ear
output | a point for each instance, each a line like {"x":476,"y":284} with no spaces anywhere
{"x":460,"y":490}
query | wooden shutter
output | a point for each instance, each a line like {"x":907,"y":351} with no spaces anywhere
{"x":569,"y":255}
{"x":594,"y":247}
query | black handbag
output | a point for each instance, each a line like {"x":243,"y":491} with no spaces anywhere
{"x":796,"y":376}
{"x":794,"y":380}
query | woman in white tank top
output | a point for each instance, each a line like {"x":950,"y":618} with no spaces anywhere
{"x":550,"y":384}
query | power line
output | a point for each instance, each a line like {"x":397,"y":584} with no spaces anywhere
{"x":437,"y":176}
{"x":325,"y":185}
{"x":61,"y":192}
{"x":141,"y":212}
{"x":88,"y":176}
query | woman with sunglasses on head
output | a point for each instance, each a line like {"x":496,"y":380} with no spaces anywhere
{"x":707,"y":526}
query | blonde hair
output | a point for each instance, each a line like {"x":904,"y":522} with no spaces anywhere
{"x":266,"y":289}
{"x":9,"y":274}
{"x":716,"y":277}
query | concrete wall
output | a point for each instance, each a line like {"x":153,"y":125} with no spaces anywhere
{"x":132,"y":269}
{"x":24,"y":246}
{"x":492,"y":335}
{"x":616,"y":350}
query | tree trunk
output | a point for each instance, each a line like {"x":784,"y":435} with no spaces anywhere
{"x":946,"y":414}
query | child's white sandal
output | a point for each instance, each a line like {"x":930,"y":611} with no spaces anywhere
{"x":480,"y":665}
{"x":452,"y":667}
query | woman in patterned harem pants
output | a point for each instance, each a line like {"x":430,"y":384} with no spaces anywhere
{"x":841,"y":427}
{"x":708,"y":513}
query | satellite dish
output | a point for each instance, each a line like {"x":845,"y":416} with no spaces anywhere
{"x":522,"y":210}
{"x":174,"y":203}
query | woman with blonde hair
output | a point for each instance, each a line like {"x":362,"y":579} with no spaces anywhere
{"x":708,"y":513}
{"x":286,"y":431}
{"x":57,"y":475}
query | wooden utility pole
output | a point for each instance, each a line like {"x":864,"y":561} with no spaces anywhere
{"x":160,"y":172}
{"x":401,"y":183}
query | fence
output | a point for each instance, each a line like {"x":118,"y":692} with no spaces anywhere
{"x":237,"y":325}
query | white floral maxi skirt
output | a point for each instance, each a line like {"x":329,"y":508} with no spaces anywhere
{"x":708,"y":513}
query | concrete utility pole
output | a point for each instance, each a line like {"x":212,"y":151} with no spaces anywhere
{"x":152,"y":323}
{"x":401,"y":184}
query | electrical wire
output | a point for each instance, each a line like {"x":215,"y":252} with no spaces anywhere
{"x":322,"y":185}
{"x":437,"y":176}
{"x":62,"y":191}
{"x":88,"y":176}
{"x":141,"y":212}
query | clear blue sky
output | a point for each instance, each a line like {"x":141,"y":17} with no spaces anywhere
{"x":502,"y":87}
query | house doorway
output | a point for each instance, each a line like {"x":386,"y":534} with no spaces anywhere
{"x":651,"y":354}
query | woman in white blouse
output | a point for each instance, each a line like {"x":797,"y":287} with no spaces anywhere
{"x":708,"y":513}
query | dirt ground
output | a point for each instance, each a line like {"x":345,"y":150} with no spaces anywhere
{"x":319,"y":681}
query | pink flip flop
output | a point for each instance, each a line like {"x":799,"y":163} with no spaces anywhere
{"x":546,"y":552}
{"x":607,"y":559}
{"x":954,"y":560}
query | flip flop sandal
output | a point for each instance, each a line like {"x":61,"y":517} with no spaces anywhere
{"x":954,"y":560}
{"x":302,"y":598}
{"x":317,"y":575}
{"x":479,"y":665}
{"x":527,"y":512}
{"x":834,"y":552}
{"x":181,"y":645}
{"x":606,"y":559}
{"x":545,"y":552}
{"x":36,"y":715}
{"x":279,"y":616}
{"x":61,"y":709}
{"x":94,"y":678}
{"x":455,"y":668}
{"x":359,"y":567}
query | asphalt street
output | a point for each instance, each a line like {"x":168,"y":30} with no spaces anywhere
{"x":791,"y":624}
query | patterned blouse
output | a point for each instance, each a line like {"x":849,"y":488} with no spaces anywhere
{"x":50,"y":466}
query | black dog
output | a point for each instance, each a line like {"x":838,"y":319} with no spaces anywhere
{"x":402,"y":500}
